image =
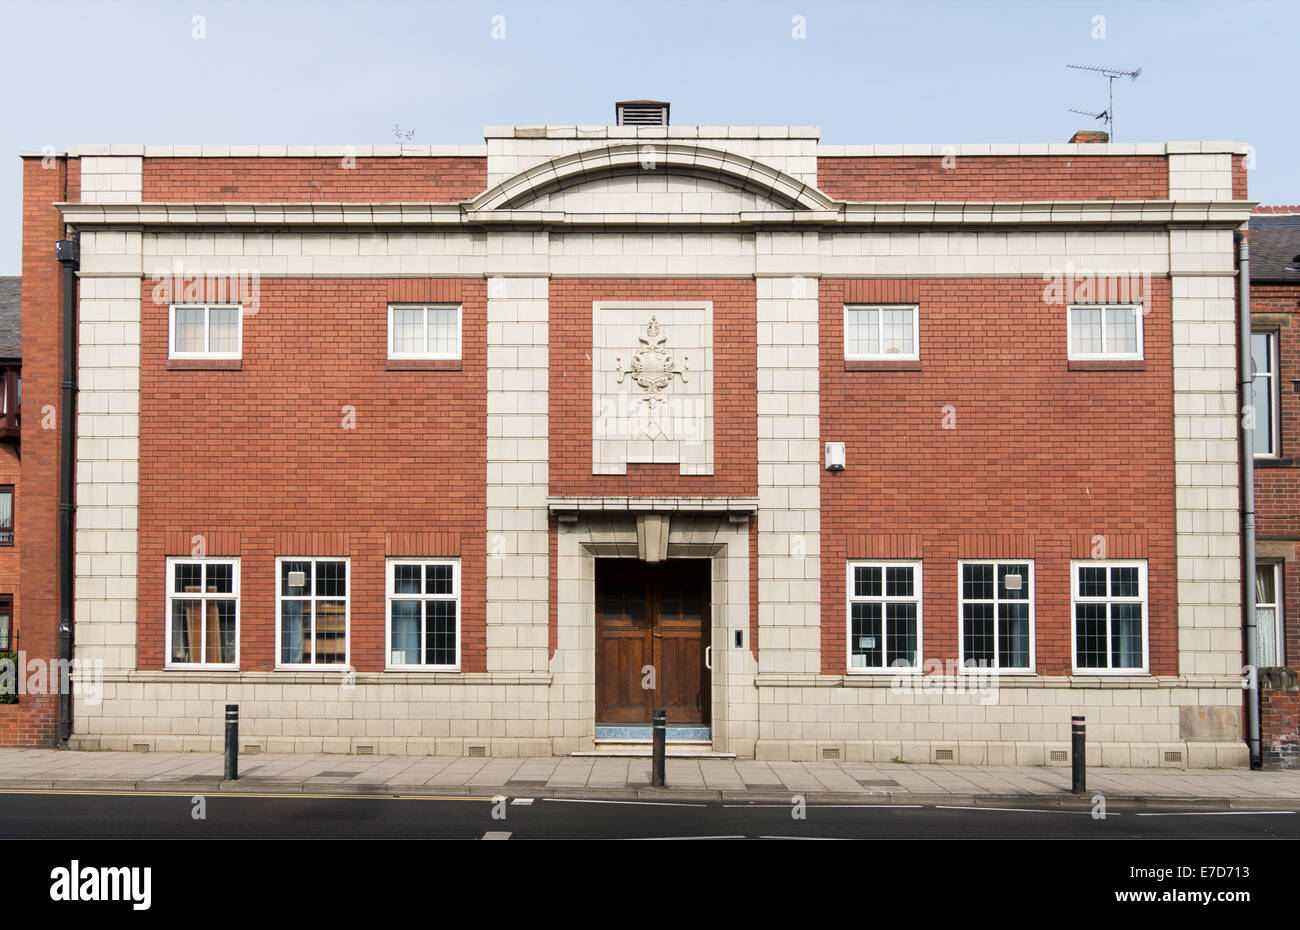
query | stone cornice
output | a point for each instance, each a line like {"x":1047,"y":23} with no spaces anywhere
{"x":847,"y":216}
{"x":652,"y":504}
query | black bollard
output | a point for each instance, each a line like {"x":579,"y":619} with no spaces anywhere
{"x":232,"y":742}
{"x":660,"y":745}
{"x":1078,"y":757}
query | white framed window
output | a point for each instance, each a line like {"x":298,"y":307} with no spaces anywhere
{"x":424,"y":331}
{"x":1109,"y":607}
{"x":884,"y":616}
{"x":202,"y":613}
{"x":311,"y":611}
{"x":423,"y":613}
{"x":1105,"y":331}
{"x":996,"y":599}
{"x":1264,"y":395}
{"x":1268,"y":615}
{"x":882,"y":331}
{"x":205,"y":331}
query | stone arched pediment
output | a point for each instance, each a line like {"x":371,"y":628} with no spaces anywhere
{"x":600,"y":180}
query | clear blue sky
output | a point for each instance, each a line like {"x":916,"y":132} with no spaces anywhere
{"x":867,"y":72}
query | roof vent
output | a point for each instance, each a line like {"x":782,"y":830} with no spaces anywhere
{"x":642,"y":112}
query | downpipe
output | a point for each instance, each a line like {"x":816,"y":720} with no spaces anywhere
{"x":68,"y":253}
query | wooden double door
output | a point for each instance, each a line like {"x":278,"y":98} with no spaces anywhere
{"x":652,"y":641}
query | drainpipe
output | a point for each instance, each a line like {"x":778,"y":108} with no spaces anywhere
{"x":1248,"y":506}
{"x":68,"y":252}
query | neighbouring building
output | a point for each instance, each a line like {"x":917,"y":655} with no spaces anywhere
{"x":16,"y":723}
{"x":1275,"y":353}
{"x":828,"y":451}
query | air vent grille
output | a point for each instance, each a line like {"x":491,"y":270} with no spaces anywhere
{"x":1175,"y":757}
{"x":477,"y":752}
{"x":140,"y":747}
{"x":641,"y":113}
{"x":252,"y":748}
{"x":365,"y":750}
{"x":830,"y":752}
{"x":943,"y":755}
{"x":1058,"y":755}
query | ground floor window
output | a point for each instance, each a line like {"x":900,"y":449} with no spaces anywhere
{"x":1110,"y":616}
{"x":884,"y":615}
{"x":202,"y":611}
{"x":423,"y":613}
{"x":1268,"y":614}
{"x":312,"y":611}
{"x":997,"y":615}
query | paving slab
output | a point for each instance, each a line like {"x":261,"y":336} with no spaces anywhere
{"x":624,"y":777}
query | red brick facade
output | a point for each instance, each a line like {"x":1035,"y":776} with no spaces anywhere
{"x":323,"y":180}
{"x":34,"y":721}
{"x":1039,"y":460}
{"x":259,"y":462}
{"x":1279,"y":724}
{"x":990,"y":178}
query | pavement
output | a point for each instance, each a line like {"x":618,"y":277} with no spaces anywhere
{"x":629,"y":778}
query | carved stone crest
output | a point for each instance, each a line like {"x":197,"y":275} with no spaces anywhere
{"x":652,"y":369}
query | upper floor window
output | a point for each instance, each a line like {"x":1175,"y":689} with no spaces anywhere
{"x":1264,"y":394}
{"x":6,"y":515}
{"x":997,"y":615}
{"x":423,"y":613}
{"x":312,"y":611}
{"x":1109,"y":331}
{"x":1110,"y":616}
{"x":884,"y":615}
{"x":205,"y":331}
{"x":424,"y":331}
{"x":202,"y":611}
{"x":890,"y":332}
{"x":11,"y":400}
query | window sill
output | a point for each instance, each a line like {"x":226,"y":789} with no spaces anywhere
{"x":205,"y":364}
{"x":1108,"y":364}
{"x":882,"y":364}
{"x":1273,"y":462}
{"x":423,"y":364}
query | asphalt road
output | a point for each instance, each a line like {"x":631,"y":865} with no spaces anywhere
{"x":73,"y":815}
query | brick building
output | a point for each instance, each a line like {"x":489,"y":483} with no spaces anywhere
{"x":16,"y":722}
{"x":1275,"y":353}
{"x":494,"y":449}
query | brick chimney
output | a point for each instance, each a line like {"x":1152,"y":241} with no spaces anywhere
{"x":1090,"y":135}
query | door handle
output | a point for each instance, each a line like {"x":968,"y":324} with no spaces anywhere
{"x":708,"y":657}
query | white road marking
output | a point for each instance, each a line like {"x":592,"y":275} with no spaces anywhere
{"x":739,"y":837}
{"x":497,"y":835}
{"x":803,"y":837}
{"x":1211,"y":813}
{"x":831,"y":807}
{"x":522,"y":802}
{"x":633,"y":803}
{"x":1021,"y":810}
